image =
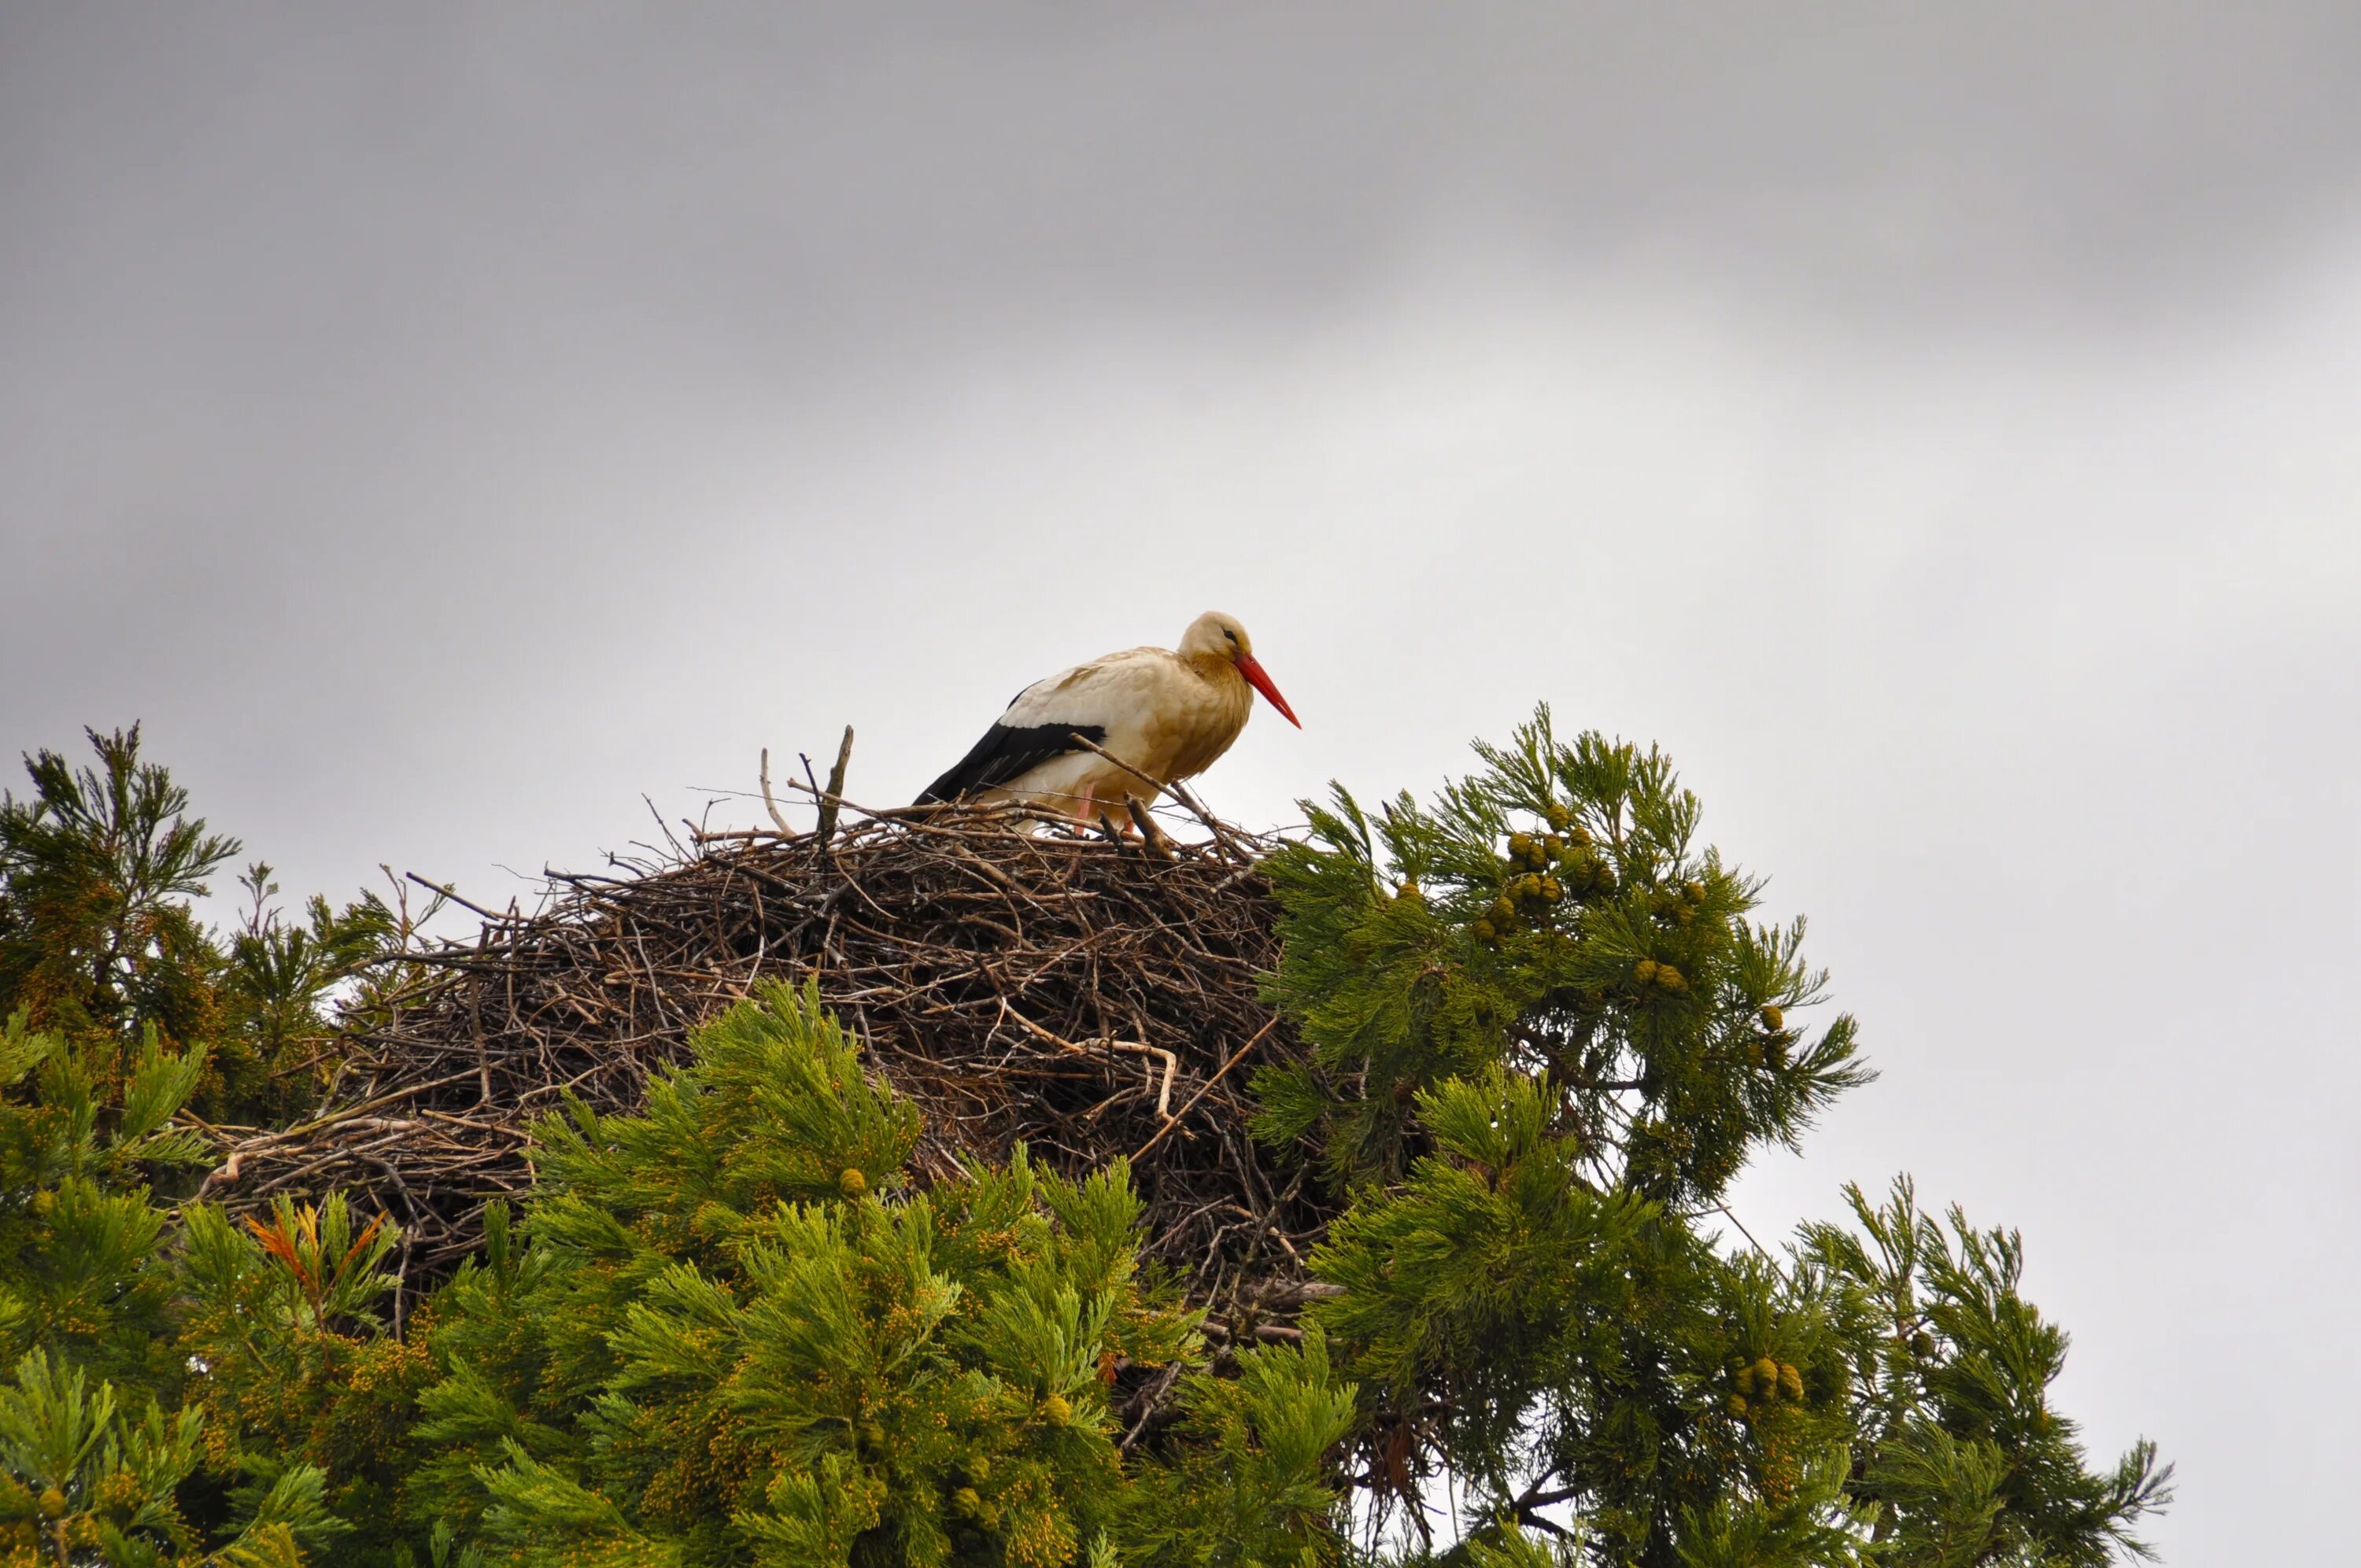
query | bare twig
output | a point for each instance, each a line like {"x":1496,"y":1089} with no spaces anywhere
{"x":835,"y":788}
{"x":1171,"y":1062}
{"x":770,"y":801}
{"x":1149,"y":833}
{"x":1174,"y":1120}
{"x":451,"y":895}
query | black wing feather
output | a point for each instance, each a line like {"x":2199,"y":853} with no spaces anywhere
{"x":1006,"y":752}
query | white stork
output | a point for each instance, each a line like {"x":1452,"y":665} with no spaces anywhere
{"x":1167,"y":712}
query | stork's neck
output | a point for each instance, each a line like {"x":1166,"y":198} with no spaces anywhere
{"x":1213,"y":669}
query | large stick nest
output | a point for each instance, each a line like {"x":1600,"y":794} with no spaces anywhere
{"x":1088,"y":997}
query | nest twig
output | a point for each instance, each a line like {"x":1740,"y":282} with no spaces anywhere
{"x":1087,"y":996}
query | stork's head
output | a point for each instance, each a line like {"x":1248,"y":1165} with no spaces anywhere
{"x":1214,"y":635}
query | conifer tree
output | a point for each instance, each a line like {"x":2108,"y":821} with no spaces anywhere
{"x":97,"y":1454}
{"x":100,"y":941}
{"x":97,"y":937}
{"x":277,"y":977}
{"x":82,"y":1481}
{"x":284,"y":1326}
{"x":1545,"y":1036}
{"x":732,"y":1332}
{"x":81,"y":1275}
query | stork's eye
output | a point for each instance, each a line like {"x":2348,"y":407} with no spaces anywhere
{"x":1231,"y":635}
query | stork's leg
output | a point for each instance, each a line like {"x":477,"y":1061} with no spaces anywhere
{"x":1084,"y":817}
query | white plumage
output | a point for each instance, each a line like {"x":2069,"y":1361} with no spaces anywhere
{"x":1169,"y":713}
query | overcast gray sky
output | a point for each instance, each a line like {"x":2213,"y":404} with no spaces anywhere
{"x":1934,"y":424}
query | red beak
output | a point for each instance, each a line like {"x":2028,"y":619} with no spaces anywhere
{"x":1253,"y":672}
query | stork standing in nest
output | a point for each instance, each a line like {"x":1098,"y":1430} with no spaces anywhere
{"x":1167,"y":712}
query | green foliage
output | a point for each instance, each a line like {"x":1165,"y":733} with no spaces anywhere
{"x":1811,"y":1521}
{"x":276,"y":981}
{"x":1480,"y":1264}
{"x":1554,"y":915}
{"x":99,"y":942}
{"x":1545,"y":1035}
{"x":80,"y":1271}
{"x":1251,"y":1483}
{"x":732,"y":1334}
{"x":284,"y":1328}
{"x":95,"y":933}
{"x":1964,"y":1461}
{"x":82,"y":1482}
{"x":95,"y":1312}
